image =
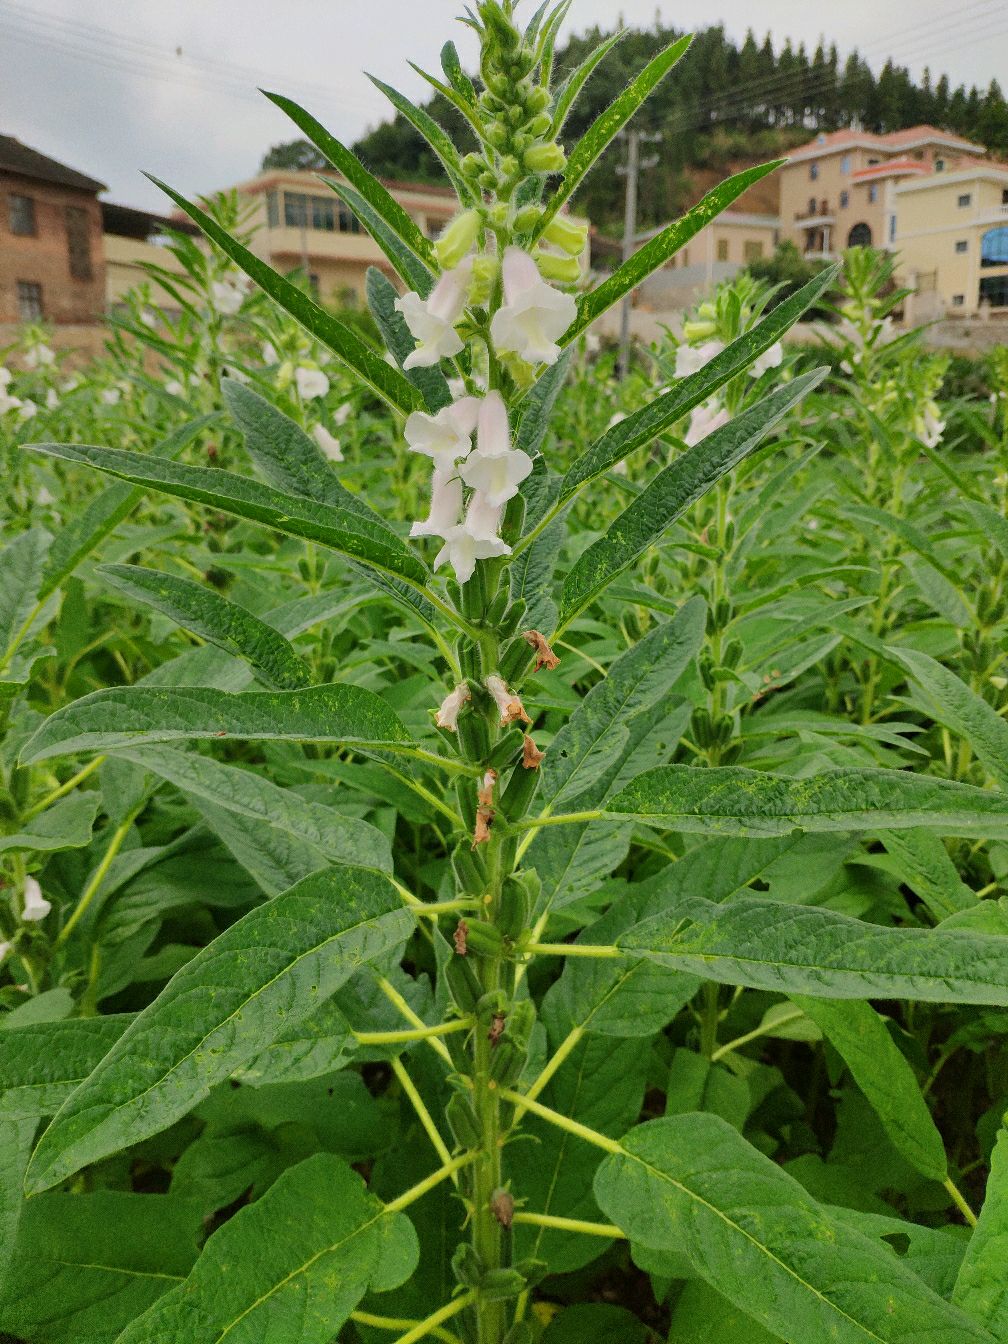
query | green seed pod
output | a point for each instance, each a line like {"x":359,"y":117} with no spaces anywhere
{"x":729,"y":538}
{"x":701,"y":727}
{"x":465,"y":792}
{"x":495,"y":611}
{"x":724,"y":730}
{"x":467,"y":1266}
{"x":507,"y":750}
{"x":731,"y":753}
{"x":507,"y":1062}
{"x":484,"y":939}
{"x":705,"y":666}
{"x":725,"y":612}
{"x":454,"y":593}
{"x":469,"y":868}
{"x":466,"y":990}
{"x":513,"y":908}
{"x":474,"y":739}
{"x":521,"y":1020}
{"x":463,"y":1123}
{"x":518,"y":794}
{"x":492,"y":1004}
{"x":469,"y":657}
{"x":732,"y":653}
{"x":515,"y":661}
{"x":474,"y":595}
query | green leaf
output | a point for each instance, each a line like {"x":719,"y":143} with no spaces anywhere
{"x":41,"y":1064}
{"x":22,"y":566}
{"x":882,"y":1072}
{"x":268,"y":971}
{"x":345,"y":344}
{"x":345,"y":531}
{"x":921,"y":860}
{"x":86,"y":1265}
{"x":798,"y":949}
{"x":691,"y":1184}
{"x":289,"y":1268}
{"x":567,"y":94}
{"x":381,"y":201}
{"x":600,"y":1322}
{"x":435,"y":135}
{"x":199,"y":608}
{"x":645,"y":424}
{"x":702,"y":1315}
{"x":65,"y":825}
{"x":959,"y":708}
{"x":981,"y":1289}
{"x":403,"y":261}
{"x":608,"y":124}
{"x":17,"y":1135}
{"x":329,"y":836}
{"x":656,"y":252}
{"x":131,"y":716}
{"x":733,"y":800}
{"x":672,"y":492}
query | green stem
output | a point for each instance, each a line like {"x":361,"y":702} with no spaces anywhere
{"x":569,"y":1225}
{"x":412,"y":1033}
{"x":599,"y":951}
{"x":98,"y":877}
{"x":562,"y":1121}
{"x":398,"y":1323}
{"x":63,"y":789}
{"x":423,"y":1114}
{"x":430,"y":1325}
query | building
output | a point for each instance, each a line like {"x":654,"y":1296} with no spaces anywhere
{"x":950,"y":231}
{"x":52,"y":265}
{"x":132,"y":239}
{"x":833,"y":190}
{"x":301,"y":224}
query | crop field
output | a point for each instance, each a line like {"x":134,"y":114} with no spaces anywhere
{"x":492,"y":851}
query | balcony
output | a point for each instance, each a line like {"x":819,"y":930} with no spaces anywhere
{"x":818,"y":215}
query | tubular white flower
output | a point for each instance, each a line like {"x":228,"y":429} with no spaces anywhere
{"x":509,"y":705}
{"x":451,"y":707}
{"x":432,"y":320}
{"x":228,"y":294}
{"x":329,"y":443}
{"x":111,"y":396}
{"x":38,"y":356}
{"x":446,"y":503}
{"x":462,"y":550}
{"x":34,"y":905}
{"x":495,"y":470}
{"x":482,"y":518}
{"x":28,"y":409}
{"x":311,"y":383}
{"x":174,"y":388}
{"x":5,"y":376}
{"x":692,"y":358}
{"x":4,"y":949}
{"x":446,"y":436}
{"x":343,"y":414}
{"x":51,"y":399}
{"x":769,"y":359}
{"x":8,"y":403}
{"x":705,"y":418}
{"x":534,"y":315}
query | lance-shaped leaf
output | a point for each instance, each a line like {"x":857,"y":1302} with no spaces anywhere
{"x":41,"y":1064}
{"x":691,"y":1184}
{"x":733,"y":800}
{"x":799,"y":949}
{"x":568,"y":91}
{"x":17,"y":1134}
{"x":348,"y":532}
{"x":206,"y":613}
{"x":130,"y":716}
{"x":608,"y":124}
{"x":268,"y":971}
{"x":657,"y":250}
{"x":406,"y":265}
{"x":435,"y":135}
{"x":377,"y":196}
{"x":955,"y":705}
{"x":381,"y":297}
{"x":345,"y":344}
{"x":22,"y":566}
{"x":289,"y":1268}
{"x":883,"y":1074}
{"x":65,"y":825}
{"x":672,"y":492}
{"x":980,"y":1287}
{"x":649,"y":421}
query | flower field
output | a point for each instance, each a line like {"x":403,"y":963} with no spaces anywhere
{"x":492,"y":852}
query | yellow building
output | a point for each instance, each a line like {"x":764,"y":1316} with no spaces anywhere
{"x":131,"y":238}
{"x":951,"y":233}
{"x":833,"y":190}
{"x":301,"y":224}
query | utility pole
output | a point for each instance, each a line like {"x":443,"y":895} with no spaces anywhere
{"x":631,"y":170}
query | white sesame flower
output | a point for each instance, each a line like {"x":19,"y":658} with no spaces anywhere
{"x":446,"y":503}
{"x":148,"y":317}
{"x":507,"y":702}
{"x":4,"y":949}
{"x":228,"y":294}
{"x":482,"y":518}
{"x":329,"y":443}
{"x":5,"y":376}
{"x":593,"y":343}
{"x":930,"y":426}
{"x":451,"y":706}
{"x":432,"y":320}
{"x":343,"y":414}
{"x":692,"y":358}
{"x":70,"y":383}
{"x":38,"y":356}
{"x":28,"y":409}
{"x":44,"y":497}
{"x":51,"y":400}
{"x":269,"y":353}
{"x":8,"y":403}
{"x":446,"y":436}
{"x":111,"y":396}
{"x":495,"y":469}
{"x":34,"y":905}
{"x":174,"y":388}
{"x":706,"y":417}
{"x":534,"y":315}
{"x":311,"y":383}
{"x":462,"y":550}
{"x":769,"y":359}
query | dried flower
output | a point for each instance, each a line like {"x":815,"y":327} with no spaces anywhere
{"x":544,"y":655}
{"x":532,"y":757}
{"x":510,"y":707}
{"x":451,"y":707}
{"x":460,"y":938}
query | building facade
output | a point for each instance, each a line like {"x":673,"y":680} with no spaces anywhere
{"x":52,"y":264}
{"x":132,"y":239}
{"x":716,"y":253}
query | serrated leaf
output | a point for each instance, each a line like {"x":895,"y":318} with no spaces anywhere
{"x":134,"y":716}
{"x":734,"y":800}
{"x":980,"y":1288}
{"x":269,"y":970}
{"x":691,"y":1184}
{"x":672,"y":492}
{"x":199,"y":608}
{"x":336,"y":336}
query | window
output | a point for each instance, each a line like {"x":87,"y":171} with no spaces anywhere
{"x":994,"y":247}
{"x":813,"y":172}
{"x":994,"y":290}
{"x":892,"y":228}
{"x":813,"y":206}
{"x":845,"y":164}
{"x":295,"y":209}
{"x":964,"y":201}
{"x":722,"y":249}
{"x":348,"y":221}
{"x":844,"y":200}
{"x":962,"y":245}
{"x":939,"y":165}
{"x":859,"y":236}
{"x":1004,"y":195}
{"x":272,"y":209}
{"x":21,"y":212}
{"x":958,"y":300}
{"x":323,"y":214}
{"x":78,"y":227}
{"x":752,"y":251}
{"x":29,"y":300}
{"x":873,"y":193}
{"x":873,"y":162}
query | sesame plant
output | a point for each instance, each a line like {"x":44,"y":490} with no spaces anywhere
{"x":392,"y":1082}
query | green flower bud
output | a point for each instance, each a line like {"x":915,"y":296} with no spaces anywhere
{"x":472,"y":166}
{"x":545,"y":158}
{"x":694,"y":331}
{"x":520,"y":141}
{"x":498,"y":134}
{"x":509,"y":167}
{"x":540,"y":124}
{"x":527,"y":218}
{"x":565,"y":233}
{"x":565,"y":270}
{"x":497,"y":215}
{"x":484,"y":276}
{"x":458,"y":238}
{"x":488,"y":180}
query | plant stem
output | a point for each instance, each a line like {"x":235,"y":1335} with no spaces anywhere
{"x":412,"y":1033}
{"x":397,"y":1323}
{"x":63,"y":789}
{"x":430,"y":1325}
{"x":562,"y":1121}
{"x":421,"y":1188}
{"x":423,"y":1114}
{"x":959,"y":1201}
{"x":599,"y":951}
{"x":559,"y":1055}
{"x":91,"y":890}
{"x":393,"y":995}
{"x":570,"y":1225}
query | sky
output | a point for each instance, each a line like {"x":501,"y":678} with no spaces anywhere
{"x":169,"y":86}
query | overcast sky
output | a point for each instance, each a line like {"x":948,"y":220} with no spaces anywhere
{"x":170,"y":85}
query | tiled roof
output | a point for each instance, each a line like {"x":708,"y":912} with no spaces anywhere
{"x":834,"y":140}
{"x":891,"y":168}
{"x":25,"y":162}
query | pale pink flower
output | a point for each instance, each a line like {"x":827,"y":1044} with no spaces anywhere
{"x":432,"y":320}
{"x":534,"y":314}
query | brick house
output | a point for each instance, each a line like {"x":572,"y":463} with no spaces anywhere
{"x":52,"y":261}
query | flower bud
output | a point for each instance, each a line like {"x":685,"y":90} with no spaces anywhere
{"x":566,"y":270}
{"x":567,"y":234}
{"x":527,"y":218}
{"x":538,"y":99}
{"x":548,"y":158}
{"x":509,"y":167}
{"x":488,"y":180}
{"x":697,"y":331}
{"x":472,"y":166}
{"x":484,"y":276}
{"x":540,"y":125}
{"x":497,"y":215}
{"x":498,"y":134}
{"x":458,"y":238}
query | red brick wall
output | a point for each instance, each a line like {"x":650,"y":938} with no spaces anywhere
{"x":45,"y":257}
